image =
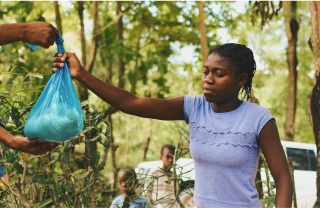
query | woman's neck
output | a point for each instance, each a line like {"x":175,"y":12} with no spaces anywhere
{"x":226,"y":106}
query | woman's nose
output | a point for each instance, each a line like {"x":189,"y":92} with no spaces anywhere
{"x":208,"y":78}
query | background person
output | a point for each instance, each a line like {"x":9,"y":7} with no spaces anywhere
{"x":3,"y":175}
{"x":127,"y":182}
{"x":160,"y":186}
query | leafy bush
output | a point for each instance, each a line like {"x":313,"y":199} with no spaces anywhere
{"x":69,"y":176}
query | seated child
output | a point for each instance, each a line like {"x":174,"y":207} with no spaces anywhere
{"x":3,"y":174}
{"x":127,"y":181}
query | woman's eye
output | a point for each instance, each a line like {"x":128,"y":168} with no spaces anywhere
{"x":219,"y":74}
{"x":205,"y":72}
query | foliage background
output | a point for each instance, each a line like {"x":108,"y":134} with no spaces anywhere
{"x":167,"y":64}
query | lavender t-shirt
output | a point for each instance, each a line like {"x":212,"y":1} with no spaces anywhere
{"x":225,"y":150}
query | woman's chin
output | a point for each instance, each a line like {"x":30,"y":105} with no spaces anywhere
{"x":209,"y":98}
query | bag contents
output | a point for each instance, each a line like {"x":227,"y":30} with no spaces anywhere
{"x":57,"y":115}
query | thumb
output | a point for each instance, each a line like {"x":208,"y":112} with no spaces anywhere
{"x":67,"y":55}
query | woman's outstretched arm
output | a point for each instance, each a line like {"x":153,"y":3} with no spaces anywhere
{"x":163,"y":109}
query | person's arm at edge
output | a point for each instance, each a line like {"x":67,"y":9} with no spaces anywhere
{"x":270,"y":144}
{"x":38,"y":33}
{"x":23,"y":144}
{"x":163,"y":109}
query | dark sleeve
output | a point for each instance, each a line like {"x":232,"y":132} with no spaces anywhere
{"x":1,"y":123}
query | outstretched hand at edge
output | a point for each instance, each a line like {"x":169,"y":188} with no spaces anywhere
{"x":23,"y":144}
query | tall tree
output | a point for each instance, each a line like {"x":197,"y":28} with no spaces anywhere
{"x":88,"y":63}
{"x":121,"y":71}
{"x":58,"y":16}
{"x":202,"y":30}
{"x":292,"y":27}
{"x":80,"y":10}
{"x":314,"y":102}
{"x":121,"y":66}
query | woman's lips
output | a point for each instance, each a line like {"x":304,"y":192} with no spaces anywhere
{"x":207,"y":91}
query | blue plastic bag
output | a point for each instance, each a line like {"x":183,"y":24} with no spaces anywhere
{"x":57,"y":115}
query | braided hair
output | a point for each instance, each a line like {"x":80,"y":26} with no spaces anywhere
{"x":241,"y":57}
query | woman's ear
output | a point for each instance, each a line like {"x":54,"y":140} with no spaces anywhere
{"x":243,"y":79}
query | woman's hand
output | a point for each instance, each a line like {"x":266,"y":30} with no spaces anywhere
{"x":74,"y":65}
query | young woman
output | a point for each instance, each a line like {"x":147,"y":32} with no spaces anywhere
{"x":226,"y":133}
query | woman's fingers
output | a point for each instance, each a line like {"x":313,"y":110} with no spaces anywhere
{"x":56,"y":54}
{"x":54,"y":70}
{"x":58,"y":62}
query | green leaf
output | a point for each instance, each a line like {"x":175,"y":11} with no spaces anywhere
{"x":42,"y":204}
{"x":58,"y":170}
{"x":81,"y":173}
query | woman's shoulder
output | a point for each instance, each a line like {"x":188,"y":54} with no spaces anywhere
{"x":257,"y":113}
{"x":194,"y":100}
{"x":198,"y":97}
{"x":254,"y":106}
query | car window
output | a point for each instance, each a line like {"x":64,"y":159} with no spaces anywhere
{"x":303,"y":159}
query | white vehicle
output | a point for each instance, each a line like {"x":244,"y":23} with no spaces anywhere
{"x":305,"y":171}
{"x":304,"y":162}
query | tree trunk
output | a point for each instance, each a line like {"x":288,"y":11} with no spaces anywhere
{"x":314,"y":101}
{"x":89,"y":67}
{"x":258,"y":180}
{"x":121,"y":68}
{"x":145,"y":145}
{"x":148,"y":132}
{"x":80,"y":9}
{"x":91,"y":146}
{"x":113,"y":155}
{"x":121,"y":71}
{"x":88,"y":63}
{"x":95,"y":38}
{"x":292,"y":27}
{"x":294,"y":198}
{"x":58,"y":16}
{"x":203,"y":33}
{"x":82,"y":91}
{"x":127,"y":137}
